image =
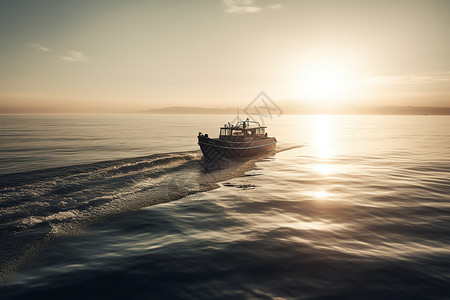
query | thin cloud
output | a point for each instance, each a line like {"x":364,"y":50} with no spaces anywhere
{"x":75,"y":56}
{"x":39,"y":47}
{"x":72,"y":55}
{"x":246,"y":6}
{"x":411,"y":78}
{"x":274,"y":6}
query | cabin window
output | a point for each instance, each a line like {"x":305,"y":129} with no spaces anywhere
{"x":238,"y":133}
{"x":249,"y":132}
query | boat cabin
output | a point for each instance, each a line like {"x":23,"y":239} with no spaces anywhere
{"x":246,"y":130}
{"x":246,"y":138}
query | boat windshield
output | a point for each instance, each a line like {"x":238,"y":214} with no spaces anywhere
{"x":247,"y":123}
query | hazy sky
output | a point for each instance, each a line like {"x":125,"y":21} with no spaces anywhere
{"x":119,"y":56}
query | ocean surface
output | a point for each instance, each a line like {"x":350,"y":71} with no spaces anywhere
{"x":120,"y":207}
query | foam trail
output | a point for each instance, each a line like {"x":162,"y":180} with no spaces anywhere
{"x":38,"y":206}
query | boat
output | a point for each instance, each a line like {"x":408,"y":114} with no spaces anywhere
{"x":242,"y":140}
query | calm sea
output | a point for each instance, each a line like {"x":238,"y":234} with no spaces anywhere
{"x":119,"y":207}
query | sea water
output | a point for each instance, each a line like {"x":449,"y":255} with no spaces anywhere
{"x":119,"y":206}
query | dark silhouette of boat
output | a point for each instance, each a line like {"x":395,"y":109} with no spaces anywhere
{"x":245,"y":139}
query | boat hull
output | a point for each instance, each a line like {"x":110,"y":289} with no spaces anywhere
{"x":215,"y":149}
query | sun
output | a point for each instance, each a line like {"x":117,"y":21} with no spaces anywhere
{"x":325,"y":79}
{"x":326,"y":82}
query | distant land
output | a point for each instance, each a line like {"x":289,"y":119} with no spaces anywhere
{"x":350,"y":110}
{"x":189,"y":110}
{"x":287,"y":108}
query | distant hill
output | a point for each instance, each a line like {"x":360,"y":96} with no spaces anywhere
{"x":187,"y":110}
{"x":405,"y":110}
{"x":294,"y":110}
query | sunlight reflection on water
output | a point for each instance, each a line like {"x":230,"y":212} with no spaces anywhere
{"x":322,"y":138}
{"x":323,"y":169}
{"x":321,"y":194}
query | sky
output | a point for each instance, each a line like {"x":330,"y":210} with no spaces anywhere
{"x":116,"y":56}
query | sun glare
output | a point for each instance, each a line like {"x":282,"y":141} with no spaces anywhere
{"x":325,"y":79}
{"x":326,"y":82}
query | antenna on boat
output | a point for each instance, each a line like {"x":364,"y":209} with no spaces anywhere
{"x":238,"y":113}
